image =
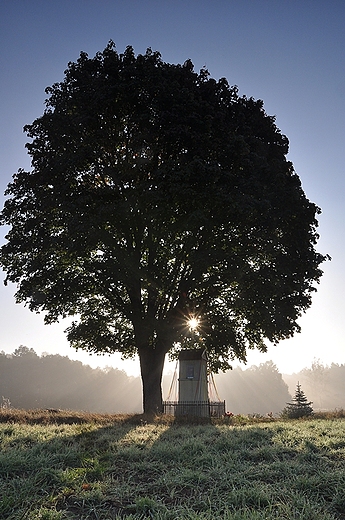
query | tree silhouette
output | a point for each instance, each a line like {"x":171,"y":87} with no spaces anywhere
{"x":53,"y":381}
{"x":158,"y":194}
{"x":300,"y":406}
{"x":324,"y":384}
{"x":259,"y":389}
{"x":317,"y":377}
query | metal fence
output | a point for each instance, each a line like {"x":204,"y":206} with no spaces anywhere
{"x":195,"y":408}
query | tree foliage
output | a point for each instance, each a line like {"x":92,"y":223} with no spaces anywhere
{"x":324,"y":384}
{"x":300,"y":406}
{"x":30,"y":381}
{"x":157,"y":193}
{"x":257,"y":390}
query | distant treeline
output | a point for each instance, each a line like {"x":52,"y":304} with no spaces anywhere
{"x":53,"y":381}
{"x":323,"y":384}
{"x":256,"y":390}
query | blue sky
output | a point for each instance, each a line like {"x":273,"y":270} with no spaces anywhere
{"x":288,"y":53}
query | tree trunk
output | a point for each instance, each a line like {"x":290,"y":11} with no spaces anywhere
{"x":151,"y":366}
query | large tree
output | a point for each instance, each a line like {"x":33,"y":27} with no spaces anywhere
{"x":156,"y":194}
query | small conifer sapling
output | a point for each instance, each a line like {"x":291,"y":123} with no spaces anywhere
{"x":300,"y":406}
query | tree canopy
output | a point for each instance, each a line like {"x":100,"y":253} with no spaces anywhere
{"x":157,"y":194}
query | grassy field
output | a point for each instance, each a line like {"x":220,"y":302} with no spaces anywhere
{"x":56,"y":465}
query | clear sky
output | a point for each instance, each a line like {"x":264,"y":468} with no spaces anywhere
{"x":290,"y":53}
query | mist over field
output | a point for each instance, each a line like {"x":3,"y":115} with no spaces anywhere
{"x":28,"y":381}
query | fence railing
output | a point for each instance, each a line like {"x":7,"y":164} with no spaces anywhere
{"x":195,"y":408}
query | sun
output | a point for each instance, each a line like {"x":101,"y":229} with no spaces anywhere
{"x":193,"y":323}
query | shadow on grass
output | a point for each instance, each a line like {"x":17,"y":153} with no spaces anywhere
{"x":157,"y":467}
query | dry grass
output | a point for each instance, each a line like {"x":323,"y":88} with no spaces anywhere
{"x":338,"y":413}
{"x":55,"y":416}
{"x":52,"y":416}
